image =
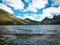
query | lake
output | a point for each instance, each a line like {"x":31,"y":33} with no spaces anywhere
{"x":33,"y":29}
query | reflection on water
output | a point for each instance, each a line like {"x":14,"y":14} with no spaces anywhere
{"x":30,"y":35}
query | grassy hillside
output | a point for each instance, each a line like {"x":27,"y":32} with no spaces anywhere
{"x":8,"y":19}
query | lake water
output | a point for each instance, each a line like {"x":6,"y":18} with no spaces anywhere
{"x":34,"y":29}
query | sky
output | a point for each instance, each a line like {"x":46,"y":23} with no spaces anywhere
{"x":32,"y":9}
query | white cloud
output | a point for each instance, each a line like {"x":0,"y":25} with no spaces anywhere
{"x":36,"y":4}
{"x":33,"y":7}
{"x":48,"y":12}
{"x":32,"y":16}
{"x":52,"y":10}
{"x":18,"y":16}
{"x":56,"y":3}
{"x":16,"y":4}
{"x":35,"y":15}
{"x":30,"y":8}
{"x":39,"y":3}
{"x":4,"y":7}
{"x":27,"y":16}
{"x":42,"y":16}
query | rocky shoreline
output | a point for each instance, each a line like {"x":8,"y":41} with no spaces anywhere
{"x":4,"y":39}
{"x":32,"y":35}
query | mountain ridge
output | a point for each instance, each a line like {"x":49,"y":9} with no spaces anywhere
{"x":54,"y":20}
{"x":31,"y":22}
{"x":8,"y":19}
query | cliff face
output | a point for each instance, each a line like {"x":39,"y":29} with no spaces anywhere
{"x":54,"y":20}
{"x":8,"y":19}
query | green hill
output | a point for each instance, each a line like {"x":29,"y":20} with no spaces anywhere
{"x":8,"y":19}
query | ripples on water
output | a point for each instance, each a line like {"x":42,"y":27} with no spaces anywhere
{"x":33,"y":29}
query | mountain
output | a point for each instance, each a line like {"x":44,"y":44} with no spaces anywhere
{"x":46,"y":21}
{"x":31,"y":22}
{"x":8,"y":19}
{"x":54,"y":20}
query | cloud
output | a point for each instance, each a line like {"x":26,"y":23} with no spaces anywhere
{"x":48,"y":13}
{"x":18,"y":16}
{"x":33,"y":6}
{"x":16,"y":4}
{"x":6,"y":8}
{"x":39,"y":3}
{"x":32,"y":16}
{"x":52,"y":10}
{"x":35,"y":15}
{"x":56,"y":3}
{"x":36,"y":4}
{"x":27,"y":16}
{"x":42,"y":16}
{"x":30,"y":8}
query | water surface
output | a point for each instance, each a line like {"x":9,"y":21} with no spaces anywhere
{"x":32,"y":29}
